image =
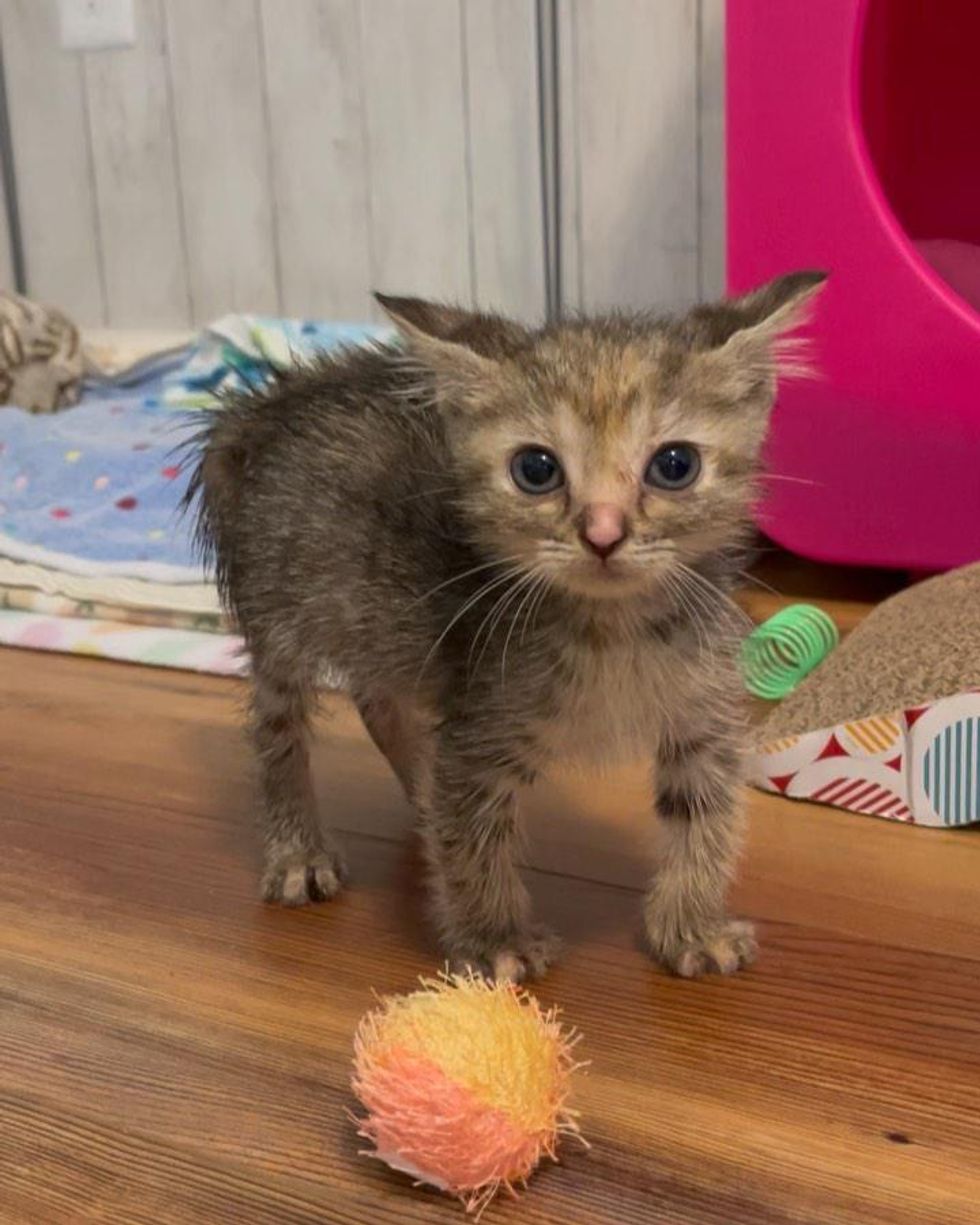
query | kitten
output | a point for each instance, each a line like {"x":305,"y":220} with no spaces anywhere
{"x":517,"y":545}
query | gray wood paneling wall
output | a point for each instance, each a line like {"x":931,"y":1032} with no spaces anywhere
{"x":289,"y":155}
{"x":641,"y":104}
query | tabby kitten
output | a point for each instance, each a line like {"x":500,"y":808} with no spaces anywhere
{"x":517,"y":546}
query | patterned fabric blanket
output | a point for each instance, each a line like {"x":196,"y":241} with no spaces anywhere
{"x":96,"y":490}
{"x":238,"y":350}
{"x":89,"y":498}
{"x":162,"y":646}
{"x":161,"y":614}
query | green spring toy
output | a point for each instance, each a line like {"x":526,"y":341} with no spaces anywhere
{"x":781,"y":651}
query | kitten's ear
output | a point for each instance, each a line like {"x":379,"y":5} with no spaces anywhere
{"x":437,"y":319}
{"x":432,"y":334}
{"x":487,"y":334}
{"x":766,"y":314}
{"x":742,"y":342}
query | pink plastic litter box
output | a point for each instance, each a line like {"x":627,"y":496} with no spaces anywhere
{"x":854,"y":146}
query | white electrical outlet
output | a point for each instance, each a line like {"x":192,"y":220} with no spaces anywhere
{"x":91,"y":25}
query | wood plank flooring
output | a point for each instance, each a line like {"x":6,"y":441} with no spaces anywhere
{"x":173,"y":1051}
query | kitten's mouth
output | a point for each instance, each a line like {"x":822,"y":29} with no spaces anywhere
{"x":608,"y":577}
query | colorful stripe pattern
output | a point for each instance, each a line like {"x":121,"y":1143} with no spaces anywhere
{"x":858,"y":795}
{"x":787,"y":742}
{"x":952,"y":772}
{"x":873,"y":735}
{"x":918,"y":765}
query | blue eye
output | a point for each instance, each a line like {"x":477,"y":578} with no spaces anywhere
{"x":676,"y":465}
{"x":535,"y":470}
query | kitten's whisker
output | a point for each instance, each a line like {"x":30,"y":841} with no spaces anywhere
{"x":690,"y":607}
{"x":500,"y":561}
{"x":538,"y":599}
{"x":705,"y":599}
{"x":709,"y":587}
{"x":499,"y":609}
{"x":793,"y":480}
{"x":751,"y":578}
{"x":729,"y":604}
{"x":702,"y":602}
{"x":529,"y":609}
{"x":679,"y":596}
{"x":521,"y":603}
{"x":479,"y":629}
{"x":532,"y":588}
{"x":460,"y":612}
{"x":426,"y":493}
{"x":425,"y":471}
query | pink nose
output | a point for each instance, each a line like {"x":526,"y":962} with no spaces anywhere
{"x":603,"y":528}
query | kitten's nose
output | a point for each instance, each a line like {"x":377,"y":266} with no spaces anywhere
{"x":603,"y":528}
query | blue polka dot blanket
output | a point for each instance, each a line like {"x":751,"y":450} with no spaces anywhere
{"x":96,"y":489}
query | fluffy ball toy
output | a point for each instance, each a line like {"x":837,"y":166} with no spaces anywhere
{"x":465,"y":1084}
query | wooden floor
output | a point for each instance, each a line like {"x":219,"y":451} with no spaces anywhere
{"x":172,"y":1051}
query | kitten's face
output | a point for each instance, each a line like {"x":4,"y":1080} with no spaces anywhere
{"x":599,"y":471}
{"x":609,"y":456}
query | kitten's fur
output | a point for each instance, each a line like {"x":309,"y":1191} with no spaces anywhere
{"x":361,"y":515}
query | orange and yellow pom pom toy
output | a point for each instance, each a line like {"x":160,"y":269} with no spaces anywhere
{"x":465,"y":1084}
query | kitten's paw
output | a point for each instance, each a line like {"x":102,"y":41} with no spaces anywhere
{"x":521,"y":958}
{"x":722,"y":949}
{"x":296,"y":877}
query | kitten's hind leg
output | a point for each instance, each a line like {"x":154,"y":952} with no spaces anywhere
{"x":302,"y":862}
{"x":402,"y":732}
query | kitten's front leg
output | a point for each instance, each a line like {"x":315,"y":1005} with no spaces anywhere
{"x":470,"y":826}
{"x":697,"y":799}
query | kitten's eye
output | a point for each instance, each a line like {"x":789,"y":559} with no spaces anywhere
{"x":536,"y":471}
{"x":674,"y":466}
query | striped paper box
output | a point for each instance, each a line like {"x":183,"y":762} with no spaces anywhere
{"x":918,"y":765}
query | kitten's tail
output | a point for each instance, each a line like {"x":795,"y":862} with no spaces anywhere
{"x":213,"y":493}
